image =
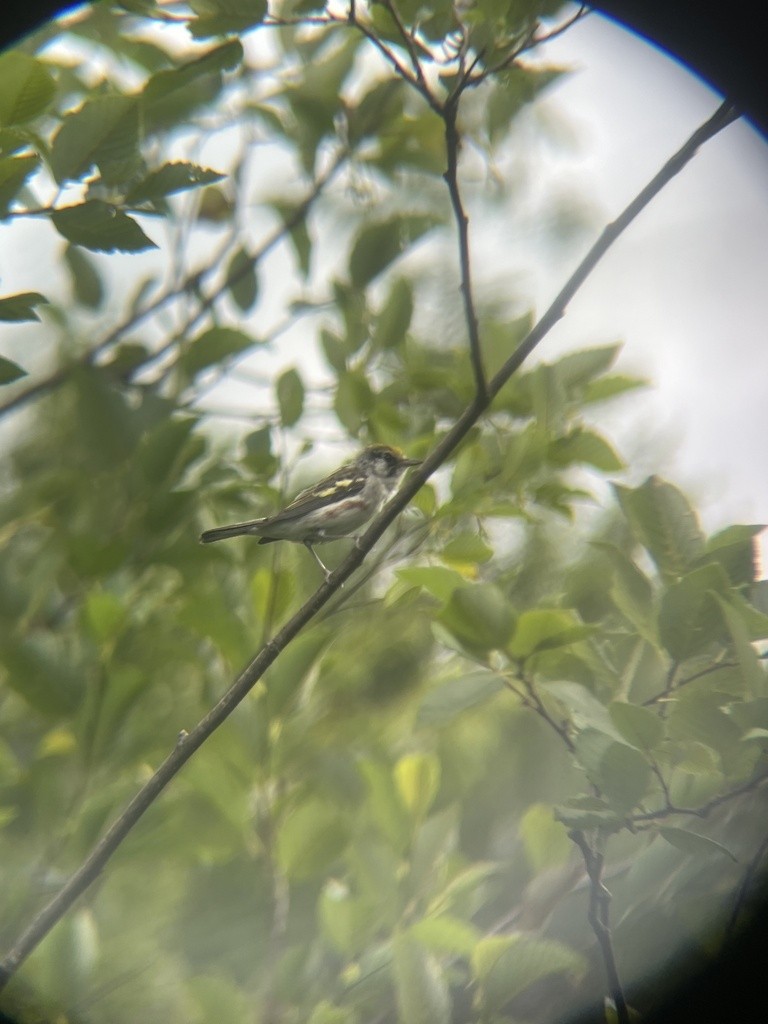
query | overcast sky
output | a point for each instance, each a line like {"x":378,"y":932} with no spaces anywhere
{"x":686,"y":287}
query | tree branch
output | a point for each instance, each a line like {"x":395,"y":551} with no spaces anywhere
{"x":451,"y":177}
{"x":188,"y":743}
{"x":599,"y":905}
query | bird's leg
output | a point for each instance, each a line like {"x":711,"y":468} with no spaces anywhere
{"x":326,"y":570}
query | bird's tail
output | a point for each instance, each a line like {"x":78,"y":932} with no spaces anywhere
{"x":235,"y":530}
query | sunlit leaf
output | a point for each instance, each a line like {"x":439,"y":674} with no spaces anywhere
{"x":26,"y":88}
{"x":174,"y":177}
{"x":20,"y":307}
{"x":101,"y":227}
{"x":103,"y":132}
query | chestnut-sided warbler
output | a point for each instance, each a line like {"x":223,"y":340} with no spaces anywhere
{"x":332,"y":508}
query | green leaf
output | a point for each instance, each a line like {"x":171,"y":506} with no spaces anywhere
{"x":26,"y":88}
{"x":101,"y":227}
{"x":165,"y":450}
{"x":631,"y":592}
{"x":104,"y":615}
{"x":309,"y":839}
{"x":86,"y":283}
{"x":174,"y":177}
{"x":466,"y":548}
{"x":448,"y":700}
{"x":242,"y":281}
{"x":225,"y":57}
{"x":505,"y":966}
{"x":10,"y":371}
{"x":544,"y":628}
{"x":391,"y":324}
{"x":417,"y":777}
{"x":290,"y":397}
{"x":578,"y":368}
{"x":299,"y":235}
{"x":420,"y":987}
{"x":258,"y":452}
{"x":386,"y":804}
{"x":638,"y":725}
{"x":20,"y":307}
{"x":446,"y":934}
{"x":693,"y":843}
{"x":583,"y":812}
{"x":689,"y":616}
{"x":108,"y":427}
{"x":103,"y":132}
{"x":437,"y":580}
{"x":611,"y":386}
{"x":735,"y":549}
{"x":746,"y":656}
{"x":584,"y":447}
{"x":479,"y":616}
{"x":584,"y":709}
{"x":664,"y":522}
{"x":212,"y":347}
{"x":353,"y":400}
{"x":221,"y":17}
{"x":621,"y":773}
{"x":545,"y":838}
{"x":378,"y":245}
{"x":14,"y":171}
{"x":38,"y":669}
{"x":325,"y":1013}
{"x":215,"y":997}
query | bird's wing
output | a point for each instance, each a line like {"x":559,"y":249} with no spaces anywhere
{"x":319,"y":495}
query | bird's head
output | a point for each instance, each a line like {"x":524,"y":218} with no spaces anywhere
{"x":384,"y":461}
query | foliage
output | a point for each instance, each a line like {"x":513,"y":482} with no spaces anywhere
{"x":390,"y":826}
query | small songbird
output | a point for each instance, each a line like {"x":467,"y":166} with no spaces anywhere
{"x":333,"y":508}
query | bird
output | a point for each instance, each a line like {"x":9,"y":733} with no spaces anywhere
{"x":333,"y":508}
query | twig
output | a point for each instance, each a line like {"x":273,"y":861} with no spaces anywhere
{"x":704,"y":809}
{"x":462,"y":223}
{"x":664,"y":695}
{"x":599,"y":905}
{"x":188,"y":743}
{"x":531,"y":699}
{"x":408,"y":43}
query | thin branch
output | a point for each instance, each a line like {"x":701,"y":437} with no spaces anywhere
{"x":451,"y":177}
{"x":188,"y":743}
{"x":408,"y":43}
{"x":599,"y":906}
{"x":664,"y":695}
{"x":531,"y":699}
{"x":416,"y":80}
{"x":725,"y":115}
{"x":702,"y":811}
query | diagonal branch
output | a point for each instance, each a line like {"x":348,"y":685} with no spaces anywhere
{"x":599,"y":904}
{"x":188,"y":743}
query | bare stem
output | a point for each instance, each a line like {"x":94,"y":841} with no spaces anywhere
{"x":451,"y":177}
{"x":599,"y":919}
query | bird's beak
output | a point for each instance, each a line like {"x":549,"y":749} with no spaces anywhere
{"x":411,"y":462}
